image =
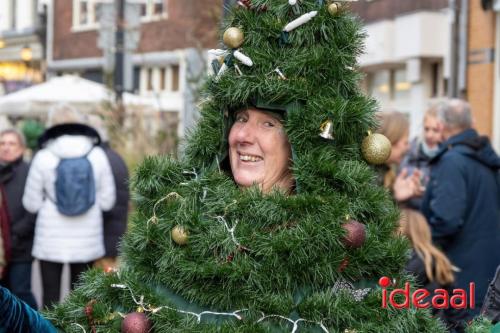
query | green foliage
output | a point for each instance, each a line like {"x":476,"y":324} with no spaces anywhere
{"x":32,"y":130}
{"x":270,"y":254}
{"x":480,"y":325}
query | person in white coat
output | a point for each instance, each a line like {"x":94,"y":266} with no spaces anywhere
{"x":60,"y":239}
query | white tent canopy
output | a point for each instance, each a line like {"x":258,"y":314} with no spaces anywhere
{"x":84,"y":94}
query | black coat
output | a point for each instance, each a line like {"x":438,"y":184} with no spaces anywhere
{"x":115,"y":221}
{"x":22,"y":223}
{"x":462,"y":205}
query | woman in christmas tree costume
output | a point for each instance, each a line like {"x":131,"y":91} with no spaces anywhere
{"x":256,"y":228}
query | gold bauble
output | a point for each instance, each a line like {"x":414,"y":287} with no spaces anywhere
{"x":376,"y":148}
{"x":333,"y":8}
{"x":179,"y":235}
{"x":233,"y":37}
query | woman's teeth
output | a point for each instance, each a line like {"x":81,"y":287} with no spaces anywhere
{"x":250,"y":158}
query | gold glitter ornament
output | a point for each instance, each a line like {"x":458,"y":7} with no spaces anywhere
{"x":376,"y":148}
{"x":233,"y":37}
{"x":179,"y":235}
{"x":333,"y":8}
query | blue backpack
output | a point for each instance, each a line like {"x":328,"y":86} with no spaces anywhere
{"x":75,"y":186}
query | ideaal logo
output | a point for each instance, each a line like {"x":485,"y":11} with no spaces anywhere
{"x":423,"y":298}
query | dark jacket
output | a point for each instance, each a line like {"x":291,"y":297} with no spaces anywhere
{"x":462,"y":205}
{"x":115,"y":221}
{"x":22,"y":223}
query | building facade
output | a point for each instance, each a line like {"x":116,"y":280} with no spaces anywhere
{"x":22,"y":26}
{"x":167,"y":59}
{"x":406,"y":57}
{"x":483,"y":67}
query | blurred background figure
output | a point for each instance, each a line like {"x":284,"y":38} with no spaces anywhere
{"x":422,"y":150}
{"x":115,"y":220}
{"x":60,"y":237}
{"x":395,"y":126}
{"x":462,"y":200}
{"x":430,"y":265}
{"x":18,"y":239}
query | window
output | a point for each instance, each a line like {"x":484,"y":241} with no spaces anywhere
{"x":391,"y":88}
{"x":149,"y":79}
{"x":160,"y":79}
{"x":175,"y":77}
{"x":85,"y":13}
{"x":163,"y":78}
{"x":401,"y":85}
{"x":380,"y":85}
{"x":152,"y":10}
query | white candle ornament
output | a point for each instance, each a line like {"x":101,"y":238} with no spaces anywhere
{"x":300,"y":21}
{"x":245,"y":60}
{"x":217,"y":52}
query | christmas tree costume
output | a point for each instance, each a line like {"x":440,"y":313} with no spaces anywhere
{"x":202,"y":255}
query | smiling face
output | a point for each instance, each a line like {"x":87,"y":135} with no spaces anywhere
{"x":259,"y":151}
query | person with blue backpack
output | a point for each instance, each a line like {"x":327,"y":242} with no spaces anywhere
{"x":69,"y":185}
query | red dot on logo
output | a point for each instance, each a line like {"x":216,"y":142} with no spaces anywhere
{"x":384,"y":282}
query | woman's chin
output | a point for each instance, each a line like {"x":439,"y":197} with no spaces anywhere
{"x":245,"y":181}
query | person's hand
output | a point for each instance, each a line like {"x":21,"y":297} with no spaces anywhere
{"x":106,"y":263}
{"x":407,"y":186}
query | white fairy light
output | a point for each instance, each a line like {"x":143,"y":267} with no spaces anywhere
{"x":169,"y":196}
{"x":240,"y":73}
{"x":221,"y":71}
{"x":300,"y":21}
{"x":281,"y":75}
{"x":80,"y":326}
{"x":294,"y":322}
{"x":230,"y":229}
{"x":295,"y":6}
{"x":235,"y":314}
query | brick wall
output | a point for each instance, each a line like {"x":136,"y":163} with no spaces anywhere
{"x":480,"y":70}
{"x":69,"y":45}
{"x":377,"y":10}
{"x":190,"y":23}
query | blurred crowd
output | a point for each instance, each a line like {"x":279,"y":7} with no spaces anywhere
{"x":447,"y":184}
{"x":69,"y":205}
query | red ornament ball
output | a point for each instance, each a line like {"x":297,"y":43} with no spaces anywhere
{"x":384,"y":282}
{"x":136,"y":322}
{"x":355,"y":234}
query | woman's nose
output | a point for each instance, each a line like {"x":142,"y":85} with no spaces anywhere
{"x":246,"y":133}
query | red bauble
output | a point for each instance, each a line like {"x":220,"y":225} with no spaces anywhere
{"x":136,"y":322}
{"x":355,"y":234}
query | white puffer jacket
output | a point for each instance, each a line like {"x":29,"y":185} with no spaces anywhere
{"x":60,"y":238}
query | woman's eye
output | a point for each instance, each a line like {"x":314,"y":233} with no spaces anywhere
{"x":240,"y":119}
{"x":269,"y":124}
